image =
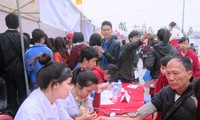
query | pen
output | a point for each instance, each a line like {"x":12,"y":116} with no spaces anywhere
{"x":117,"y":109}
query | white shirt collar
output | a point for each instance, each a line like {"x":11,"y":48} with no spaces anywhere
{"x":50,"y":110}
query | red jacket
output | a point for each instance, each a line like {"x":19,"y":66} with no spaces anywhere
{"x":195,"y":62}
{"x":99,"y":73}
{"x":74,"y":55}
{"x":174,"y":43}
{"x":160,"y":83}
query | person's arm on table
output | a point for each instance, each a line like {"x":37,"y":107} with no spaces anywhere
{"x":87,"y":115}
{"x":140,"y":114}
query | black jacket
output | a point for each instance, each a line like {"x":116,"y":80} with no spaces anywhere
{"x":165,"y":99}
{"x":157,"y":52}
{"x":126,"y":61}
{"x":112,"y":53}
{"x":3,"y":95}
{"x":10,"y":51}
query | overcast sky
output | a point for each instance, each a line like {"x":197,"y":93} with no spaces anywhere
{"x":155,"y":13}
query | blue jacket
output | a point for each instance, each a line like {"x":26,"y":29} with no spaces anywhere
{"x":111,"y":54}
{"x":30,"y":54}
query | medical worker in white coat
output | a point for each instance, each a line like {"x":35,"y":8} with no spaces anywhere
{"x":54,"y":80}
{"x":79,"y":102}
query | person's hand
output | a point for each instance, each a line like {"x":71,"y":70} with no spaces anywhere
{"x":145,"y":36}
{"x":100,"y":49}
{"x":104,"y":86}
{"x":135,"y":69}
{"x":109,"y":86}
{"x":88,"y":116}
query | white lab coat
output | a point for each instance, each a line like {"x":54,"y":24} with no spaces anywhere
{"x":38,"y":107}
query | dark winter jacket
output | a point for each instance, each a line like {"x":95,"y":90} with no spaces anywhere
{"x":157,"y":52}
{"x":126,"y":60}
{"x":112,"y":52}
{"x":165,"y":99}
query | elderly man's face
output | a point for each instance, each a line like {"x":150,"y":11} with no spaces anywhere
{"x":177,"y":76}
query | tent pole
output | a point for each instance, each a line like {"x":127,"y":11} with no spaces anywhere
{"x":22,"y":46}
{"x":81,"y":20}
{"x":39,"y":24}
{"x":183,"y":13}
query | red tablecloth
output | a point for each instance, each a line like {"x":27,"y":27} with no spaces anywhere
{"x":136,"y":100}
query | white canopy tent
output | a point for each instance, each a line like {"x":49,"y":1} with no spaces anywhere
{"x":30,"y":17}
{"x":54,"y":18}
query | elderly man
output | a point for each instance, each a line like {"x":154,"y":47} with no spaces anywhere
{"x":174,"y":101}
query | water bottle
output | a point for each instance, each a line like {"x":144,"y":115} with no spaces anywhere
{"x":119,"y":87}
{"x":115,"y":93}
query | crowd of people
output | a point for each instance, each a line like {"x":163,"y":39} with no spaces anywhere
{"x":67,"y":75}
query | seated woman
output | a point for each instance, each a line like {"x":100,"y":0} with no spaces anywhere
{"x":54,"y":80}
{"x":79,"y":103}
{"x":88,"y":58}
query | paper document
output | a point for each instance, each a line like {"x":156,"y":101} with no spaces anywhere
{"x":136,"y":74}
{"x":132,"y":86}
{"x":105,"y":97}
{"x":122,"y":90}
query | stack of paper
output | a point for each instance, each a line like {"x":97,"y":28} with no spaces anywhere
{"x":105,"y":97}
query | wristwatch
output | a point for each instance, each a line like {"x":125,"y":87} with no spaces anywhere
{"x":135,"y":114}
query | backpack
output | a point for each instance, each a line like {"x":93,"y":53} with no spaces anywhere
{"x":173,"y":52}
